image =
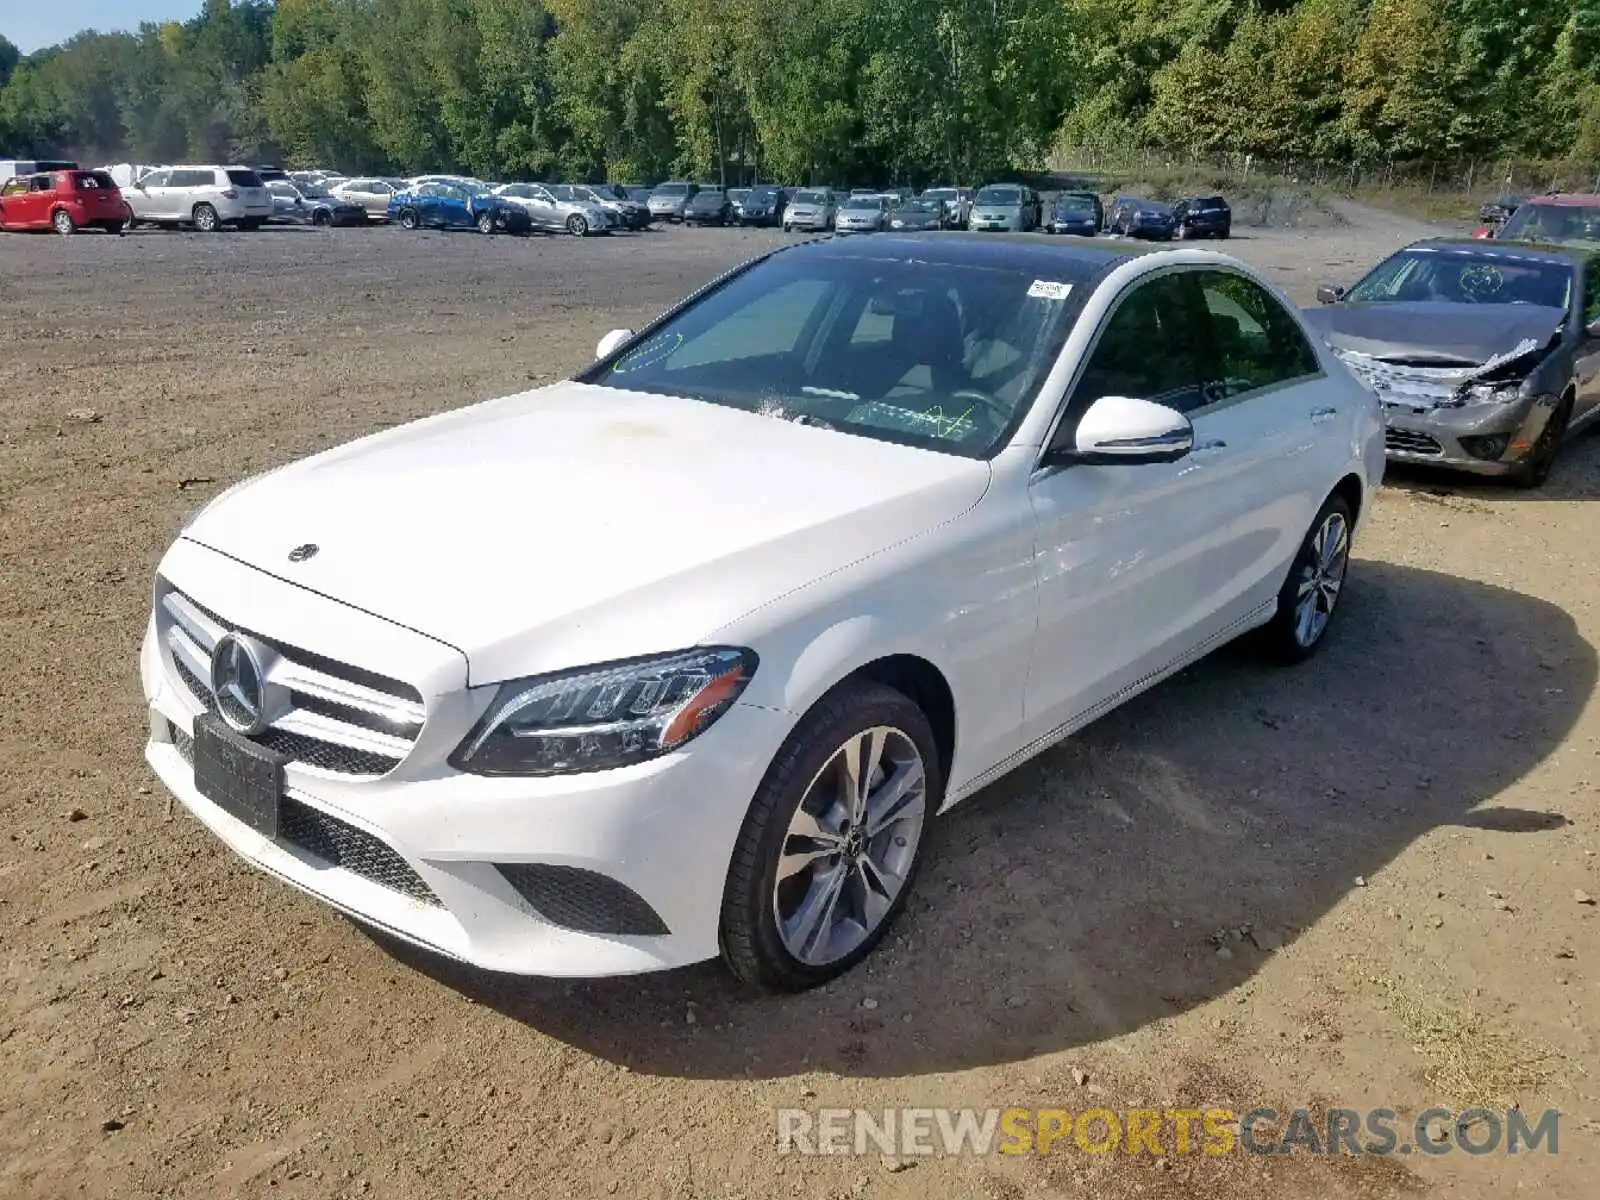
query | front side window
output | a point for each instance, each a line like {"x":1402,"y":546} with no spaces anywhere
{"x":946,"y":356}
{"x":42,"y":183}
{"x":1149,"y":348}
{"x":14,"y":187}
{"x":156,"y":179}
{"x":1256,"y":343}
{"x":1591,"y":291}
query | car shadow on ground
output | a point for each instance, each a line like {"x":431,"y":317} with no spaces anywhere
{"x":1077,"y":898}
{"x":1575,"y":476}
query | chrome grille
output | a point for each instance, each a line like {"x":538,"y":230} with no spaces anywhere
{"x":1405,"y":441}
{"x":340,"y":719}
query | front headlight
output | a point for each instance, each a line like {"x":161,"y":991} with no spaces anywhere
{"x":1492,"y":393}
{"x":597,"y":718}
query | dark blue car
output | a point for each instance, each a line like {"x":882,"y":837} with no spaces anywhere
{"x":457,"y":206}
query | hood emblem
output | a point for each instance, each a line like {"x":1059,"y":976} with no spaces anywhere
{"x":301,"y":553}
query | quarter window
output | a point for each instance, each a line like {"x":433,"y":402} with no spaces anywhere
{"x":1257,"y":344}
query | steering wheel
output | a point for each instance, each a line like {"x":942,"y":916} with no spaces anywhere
{"x":1482,"y":282}
{"x":997,"y":408}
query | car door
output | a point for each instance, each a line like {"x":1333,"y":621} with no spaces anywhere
{"x":1586,"y":362}
{"x":1277,"y":432}
{"x":13,"y":203}
{"x":1126,"y":587}
{"x":31,"y":207}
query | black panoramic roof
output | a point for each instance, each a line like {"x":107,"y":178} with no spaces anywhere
{"x":1018,"y":252}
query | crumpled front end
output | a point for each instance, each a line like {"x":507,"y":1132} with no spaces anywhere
{"x":1479,"y":418}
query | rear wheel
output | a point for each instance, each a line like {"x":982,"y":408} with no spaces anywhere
{"x":831,"y":844}
{"x":408,"y":218}
{"x":61,"y":221}
{"x":205,"y":218}
{"x":1310,"y":595}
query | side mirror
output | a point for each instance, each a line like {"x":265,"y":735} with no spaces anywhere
{"x":1330,"y":293}
{"x":1123,"y":431}
{"x":611,"y":343}
{"x":1592,"y":329}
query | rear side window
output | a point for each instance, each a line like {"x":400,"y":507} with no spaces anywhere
{"x":242,"y":178}
{"x":1257,"y":344}
{"x":93,"y":181}
{"x":42,"y":183}
{"x":193,"y":179}
{"x":1591,"y":291}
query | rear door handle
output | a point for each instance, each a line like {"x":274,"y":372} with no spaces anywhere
{"x":1321,"y":416}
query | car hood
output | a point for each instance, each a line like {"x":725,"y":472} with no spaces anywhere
{"x":1466,"y":333}
{"x":576,"y":524}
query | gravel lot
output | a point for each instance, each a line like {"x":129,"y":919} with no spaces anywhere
{"x":1404,"y":830}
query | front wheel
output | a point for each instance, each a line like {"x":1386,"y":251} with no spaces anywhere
{"x":408,"y":218}
{"x":485,"y":222}
{"x":1183,"y":233}
{"x":61,"y":221}
{"x":1310,"y":595}
{"x":1535,"y":469}
{"x":577,"y":226}
{"x":831,"y":843}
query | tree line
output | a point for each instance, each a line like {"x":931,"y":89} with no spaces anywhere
{"x":811,"y":90}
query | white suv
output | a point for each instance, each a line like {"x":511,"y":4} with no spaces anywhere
{"x":206,"y":197}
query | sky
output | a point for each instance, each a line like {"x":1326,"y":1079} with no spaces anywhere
{"x":34,"y":24}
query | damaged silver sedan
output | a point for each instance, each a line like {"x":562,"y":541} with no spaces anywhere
{"x":1485,"y":357}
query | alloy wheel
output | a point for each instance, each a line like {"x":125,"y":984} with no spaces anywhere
{"x":1321,"y":578}
{"x":205,"y":219}
{"x":63,"y":222}
{"x":576,"y":225}
{"x":850,"y":846}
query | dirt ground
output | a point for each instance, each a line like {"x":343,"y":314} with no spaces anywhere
{"x":1361,"y":883}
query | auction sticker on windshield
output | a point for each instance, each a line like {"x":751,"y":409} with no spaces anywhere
{"x":1043,"y":289}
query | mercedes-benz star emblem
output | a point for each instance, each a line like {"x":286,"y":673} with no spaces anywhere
{"x":239,"y":683}
{"x":301,"y":553}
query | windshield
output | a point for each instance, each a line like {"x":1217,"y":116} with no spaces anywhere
{"x":810,"y":198}
{"x":672,"y":189}
{"x":869,"y":202}
{"x":1074,"y":204}
{"x":1456,"y":277}
{"x":763,"y":194}
{"x":1000,"y":196}
{"x":939,"y":194}
{"x":1536,"y":222}
{"x":920,"y":206}
{"x":940,"y":355}
{"x":314,"y":191}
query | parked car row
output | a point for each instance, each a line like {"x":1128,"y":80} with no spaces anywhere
{"x":209,"y":198}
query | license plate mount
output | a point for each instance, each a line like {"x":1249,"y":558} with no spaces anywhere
{"x":242,"y":778}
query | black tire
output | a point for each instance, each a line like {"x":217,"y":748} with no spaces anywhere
{"x":205,"y":218}
{"x":61,"y":221}
{"x":1533,"y":471}
{"x":752,"y":945}
{"x":321,"y":219}
{"x":408,"y":218}
{"x":1284,"y":637}
{"x":115,"y":226}
{"x":485,"y":222}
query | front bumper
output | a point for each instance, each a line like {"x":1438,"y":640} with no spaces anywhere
{"x":812,"y":221}
{"x":997,"y":224}
{"x":421,"y":848}
{"x":1468,"y":438}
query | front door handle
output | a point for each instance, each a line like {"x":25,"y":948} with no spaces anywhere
{"x":1321,"y":416}
{"x":1208,"y":449}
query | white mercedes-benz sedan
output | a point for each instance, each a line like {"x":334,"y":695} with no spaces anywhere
{"x":682,"y":657}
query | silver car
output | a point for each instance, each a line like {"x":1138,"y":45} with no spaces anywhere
{"x":372,"y":194}
{"x":1004,"y":206}
{"x":811,"y":208}
{"x":669,"y":200}
{"x":862,"y":214}
{"x":554,"y":206}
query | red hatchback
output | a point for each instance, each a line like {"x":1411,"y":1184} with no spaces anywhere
{"x":65,"y":201}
